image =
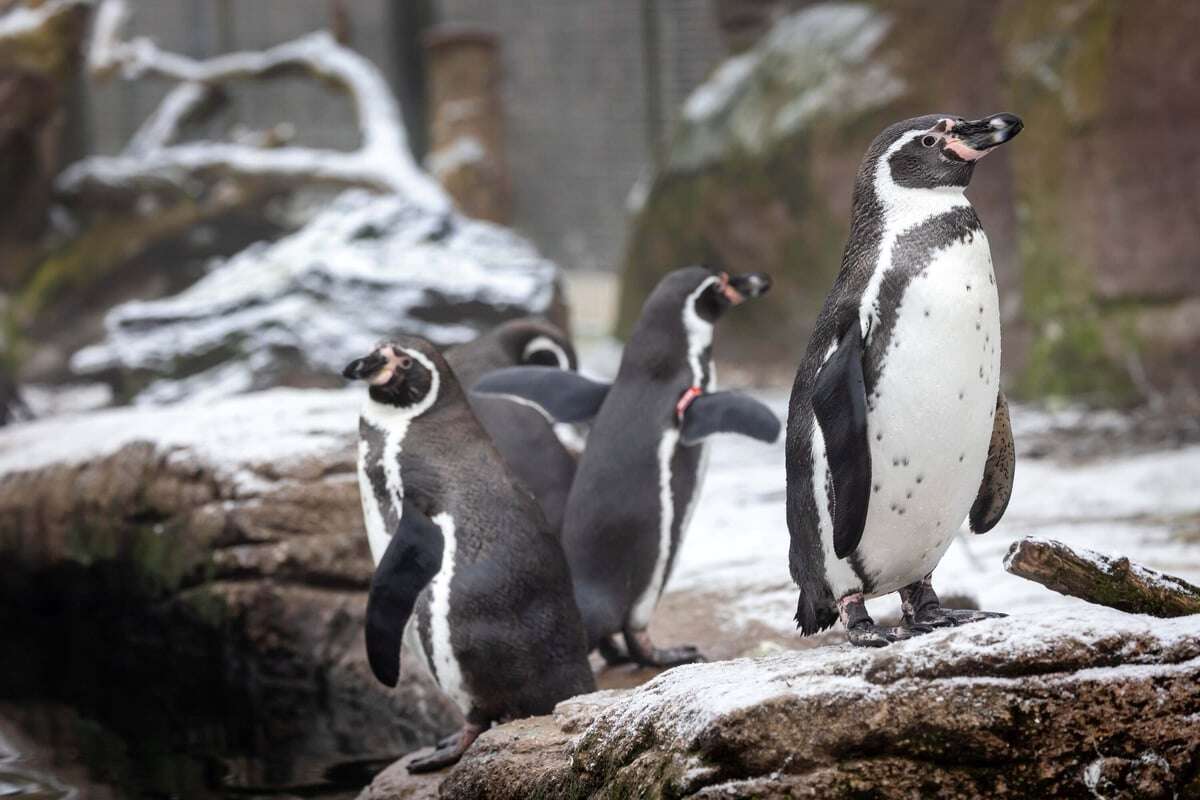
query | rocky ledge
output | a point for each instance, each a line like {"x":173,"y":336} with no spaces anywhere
{"x":1088,"y":703}
{"x":215,"y":550}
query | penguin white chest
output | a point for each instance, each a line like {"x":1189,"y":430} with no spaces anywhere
{"x":930,"y":413}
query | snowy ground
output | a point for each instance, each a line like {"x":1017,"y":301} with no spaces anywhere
{"x":1135,"y":506}
{"x":1138,"y":500}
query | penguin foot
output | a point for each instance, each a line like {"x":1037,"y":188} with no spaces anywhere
{"x":613,"y":653}
{"x":862,"y":631}
{"x":868,"y":634}
{"x":965,"y":616}
{"x":448,"y":751}
{"x":643,"y":652}
{"x":923,"y":608}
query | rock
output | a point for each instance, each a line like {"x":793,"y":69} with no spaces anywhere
{"x":232,"y":532}
{"x":1102,"y":238}
{"x":762,"y":164}
{"x":293,"y":312}
{"x":1100,"y":268}
{"x":1027,"y":706}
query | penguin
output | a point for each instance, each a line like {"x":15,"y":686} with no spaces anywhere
{"x":528,"y":340}
{"x":541,"y":455}
{"x":639,"y":477}
{"x":897,"y":426}
{"x":467,"y":573}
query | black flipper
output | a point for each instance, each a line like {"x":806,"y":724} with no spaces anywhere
{"x":566,"y":396}
{"x":840,"y":404}
{"x":412,"y":558}
{"x":995,"y":489}
{"x":728,"y":412}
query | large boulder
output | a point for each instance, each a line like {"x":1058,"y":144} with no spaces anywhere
{"x":1098,"y":279}
{"x":294,"y":311}
{"x":1091,"y":703}
{"x":761,"y":167}
{"x":212,"y":554}
{"x":1108,"y":198}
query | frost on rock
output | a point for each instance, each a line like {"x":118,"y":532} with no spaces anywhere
{"x":366,"y":268}
{"x":818,"y":58}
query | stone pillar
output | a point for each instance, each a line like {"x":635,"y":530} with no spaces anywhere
{"x":466,"y":131}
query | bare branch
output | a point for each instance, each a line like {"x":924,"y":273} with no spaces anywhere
{"x":383,"y":161}
{"x":182,"y":103}
{"x":1115,"y":582}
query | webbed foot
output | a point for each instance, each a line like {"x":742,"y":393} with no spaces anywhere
{"x":448,"y":751}
{"x":923,"y":608}
{"x":643,"y":652}
{"x":613,"y":653}
{"x":862,"y":631}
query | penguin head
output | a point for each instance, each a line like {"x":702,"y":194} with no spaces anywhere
{"x":406,"y":373}
{"x":536,"y":343}
{"x":934,"y":151}
{"x":706,"y":292}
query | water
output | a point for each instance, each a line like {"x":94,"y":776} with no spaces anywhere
{"x":50,"y":751}
{"x":102,"y":699}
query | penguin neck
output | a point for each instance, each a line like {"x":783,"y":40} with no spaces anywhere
{"x":698,"y":335}
{"x":879,"y":201}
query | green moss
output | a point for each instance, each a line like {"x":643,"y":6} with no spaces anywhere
{"x":1056,"y":74}
{"x":159,"y":554}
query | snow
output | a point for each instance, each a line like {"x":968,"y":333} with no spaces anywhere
{"x":365,"y":268}
{"x":684,"y":702}
{"x":458,"y":153}
{"x":234,"y":436}
{"x":815,"y":61}
{"x":21,"y":20}
{"x":721,"y":88}
{"x":383,"y":160}
{"x":1126,"y":505}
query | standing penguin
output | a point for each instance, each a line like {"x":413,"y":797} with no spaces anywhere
{"x":467,"y":571}
{"x":897,"y":428}
{"x":640,"y":476}
{"x":535,"y":450}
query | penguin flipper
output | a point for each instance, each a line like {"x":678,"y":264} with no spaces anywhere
{"x":839,"y":401}
{"x":565,"y":396}
{"x":995,"y":489}
{"x":728,"y":412}
{"x":412,"y":558}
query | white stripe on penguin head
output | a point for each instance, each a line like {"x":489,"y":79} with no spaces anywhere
{"x":394,"y":422}
{"x":549,"y":345}
{"x":902,"y":208}
{"x":699,"y":334}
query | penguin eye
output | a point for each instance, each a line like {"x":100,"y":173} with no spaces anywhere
{"x":928,"y":140}
{"x":404,"y":362}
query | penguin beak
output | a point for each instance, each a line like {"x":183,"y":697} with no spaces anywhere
{"x":973,"y":139}
{"x":364,"y":369}
{"x":741,"y":288}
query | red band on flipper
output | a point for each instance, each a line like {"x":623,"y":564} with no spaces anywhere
{"x":686,"y":400}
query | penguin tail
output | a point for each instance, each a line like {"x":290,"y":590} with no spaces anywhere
{"x":816,"y":610}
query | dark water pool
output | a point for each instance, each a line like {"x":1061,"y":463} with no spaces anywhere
{"x":52,"y":751}
{"x":101,"y":699}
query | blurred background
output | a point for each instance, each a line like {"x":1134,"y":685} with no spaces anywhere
{"x":201,"y":199}
{"x":620,"y":141}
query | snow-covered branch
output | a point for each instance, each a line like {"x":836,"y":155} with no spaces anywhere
{"x":1097,"y":578}
{"x":382,"y":162}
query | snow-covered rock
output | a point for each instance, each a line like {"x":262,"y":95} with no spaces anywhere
{"x":293,"y":312}
{"x":1029,"y":706}
{"x":222,"y":540}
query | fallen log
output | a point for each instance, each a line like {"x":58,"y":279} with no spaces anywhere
{"x":1115,"y":582}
